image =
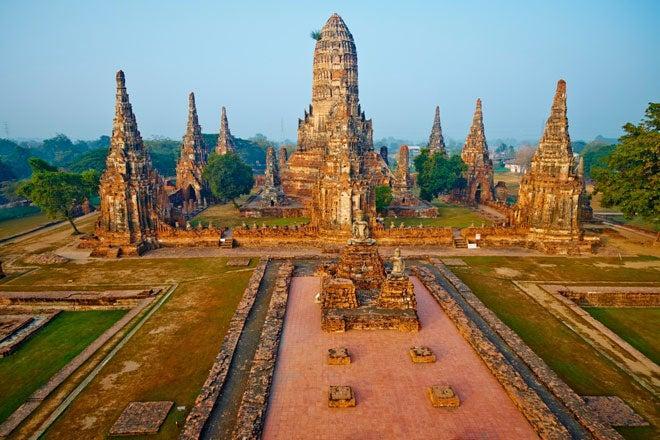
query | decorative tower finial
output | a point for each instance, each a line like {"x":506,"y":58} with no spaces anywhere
{"x":554,"y":155}
{"x":436,"y":140}
{"x":225,"y":139}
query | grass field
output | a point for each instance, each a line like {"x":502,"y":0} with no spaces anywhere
{"x":575,"y":361}
{"x":47,"y":352}
{"x":448,"y":216}
{"x":227,"y":215}
{"x":639,"y":327}
{"x":31,"y":219}
{"x":170,"y":356}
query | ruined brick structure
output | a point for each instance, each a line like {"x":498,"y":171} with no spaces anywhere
{"x":357,"y":293}
{"x":192,"y":160}
{"x":586,"y":211}
{"x":334,"y":168}
{"x":549,"y":195}
{"x":283,"y":157}
{"x":271,"y":201}
{"x":479,"y":174}
{"x":405,"y":203}
{"x":133,"y":203}
{"x":436,"y":141}
{"x":225,"y":142}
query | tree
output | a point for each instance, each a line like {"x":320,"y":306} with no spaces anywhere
{"x":316,"y":35}
{"x":6,"y":173}
{"x":383,"y":198}
{"x":593,"y":154}
{"x":228,"y":176}
{"x":57,"y":193}
{"x":524,"y":155}
{"x":437,"y":173}
{"x":630,"y":175}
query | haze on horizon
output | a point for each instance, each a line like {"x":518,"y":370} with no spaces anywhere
{"x":59,"y":61}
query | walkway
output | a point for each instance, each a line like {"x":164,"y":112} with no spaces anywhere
{"x":389,"y":388}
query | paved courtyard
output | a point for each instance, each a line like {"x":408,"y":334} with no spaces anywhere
{"x":389,"y":388}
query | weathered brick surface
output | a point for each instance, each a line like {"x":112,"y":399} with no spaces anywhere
{"x":526,"y":400}
{"x":540,"y":369}
{"x":212,"y":387}
{"x":479,"y":174}
{"x":251,"y":414}
{"x":549,"y":195}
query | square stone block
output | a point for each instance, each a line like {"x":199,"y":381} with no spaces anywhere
{"x":238,"y":262}
{"x":443,"y":396}
{"x":421,"y":355}
{"x":140,"y":418}
{"x":341,"y":397}
{"x":338,"y":356}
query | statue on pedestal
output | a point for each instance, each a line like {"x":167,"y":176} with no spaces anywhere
{"x":360,"y":232}
{"x":398,"y":265}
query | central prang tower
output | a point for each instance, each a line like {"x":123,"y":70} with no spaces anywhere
{"x":334,"y":169}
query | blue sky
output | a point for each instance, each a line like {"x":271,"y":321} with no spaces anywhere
{"x":58,"y":60}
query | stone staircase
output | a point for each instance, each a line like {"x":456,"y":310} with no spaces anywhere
{"x":460,"y":243}
{"x":228,"y":243}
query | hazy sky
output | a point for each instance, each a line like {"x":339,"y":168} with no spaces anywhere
{"x":58,"y":61}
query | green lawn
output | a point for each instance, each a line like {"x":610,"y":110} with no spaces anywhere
{"x":227,"y":215}
{"x":575,"y":361}
{"x":47,"y":352}
{"x":639,"y":327}
{"x":170,"y":357}
{"x":14,"y":225}
{"x":448,"y":216}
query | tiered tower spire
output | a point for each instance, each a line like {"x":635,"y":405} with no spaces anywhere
{"x":436,"y":141}
{"x":193,"y":158}
{"x":130,"y":188}
{"x":225,"y":139}
{"x":479,"y":174}
{"x":554,"y":156}
{"x":549,"y":195}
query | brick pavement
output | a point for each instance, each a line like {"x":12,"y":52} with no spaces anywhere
{"x":389,"y":388}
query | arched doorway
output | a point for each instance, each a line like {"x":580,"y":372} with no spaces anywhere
{"x":477,"y":194}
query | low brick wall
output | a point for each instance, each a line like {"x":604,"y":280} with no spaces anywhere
{"x":410,"y":235}
{"x":274,"y":235}
{"x":251,"y":414}
{"x":517,"y":236}
{"x":545,"y":375}
{"x":606,"y":296}
{"x":540,"y":417}
{"x":180,"y":237}
{"x":212,"y":387}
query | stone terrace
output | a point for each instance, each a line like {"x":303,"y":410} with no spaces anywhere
{"x":389,"y":388}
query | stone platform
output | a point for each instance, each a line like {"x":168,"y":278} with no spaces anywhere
{"x":390,"y":390}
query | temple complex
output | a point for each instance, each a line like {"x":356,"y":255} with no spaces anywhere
{"x":192,"y":160}
{"x":132,"y":200}
{"x":404,"y":202}
{"x":225,"y":142}
{"x":479,"y":174}
{"x":334,"y":168}
{"x":549,"y":195}
{"x":436,"y":141}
